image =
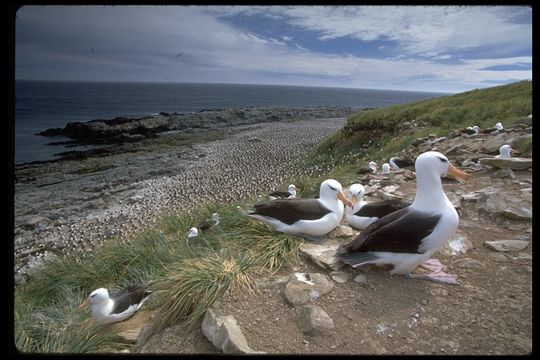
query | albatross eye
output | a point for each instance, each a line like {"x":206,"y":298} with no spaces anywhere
{"x":442,"y":160}
{"x":333,"y":189}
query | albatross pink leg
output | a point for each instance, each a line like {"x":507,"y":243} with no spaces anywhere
{"x":438,"y":276}
{"x":432,"y":265}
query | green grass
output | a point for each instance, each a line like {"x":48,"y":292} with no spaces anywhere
{"x":378,"y":134}
{"x":191,"y":276}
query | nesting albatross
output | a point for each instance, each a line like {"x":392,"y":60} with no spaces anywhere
{"x":400,"y":163}
{"x":119,"y":306}
{"x":364,"y":213}
{"x":409,"y":237}
{"x":289,"y":194}
{"x":309,"y":218}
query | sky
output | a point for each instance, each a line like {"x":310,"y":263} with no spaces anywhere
{"x":420,"y":48}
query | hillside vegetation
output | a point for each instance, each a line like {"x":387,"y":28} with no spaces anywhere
{"x":46,"y":315}
{"x":377,"y":133}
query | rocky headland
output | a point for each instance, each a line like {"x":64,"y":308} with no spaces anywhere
{"x":154,"y":165}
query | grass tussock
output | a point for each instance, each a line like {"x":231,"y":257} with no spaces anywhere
{"x":193,"y":285}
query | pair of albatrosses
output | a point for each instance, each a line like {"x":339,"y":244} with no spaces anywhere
{"x":408,"y":237}
{"x":404,"y":238}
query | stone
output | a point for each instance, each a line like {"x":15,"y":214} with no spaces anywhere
{"x":467,"y":263}
{"x":507,"y":245}
{"x":340,"y":277}
{"x":503,"y":174}
{"x":505,"y":205}
{"x":457,"y":245}
{"x":303,"y":288}
{"x":323,"y":255}
{"x":341,"y":231}
{"x":313,"y":319}
{"x":225,"y":334}
{"x":513,"y":163}
{"x":361,"y":279}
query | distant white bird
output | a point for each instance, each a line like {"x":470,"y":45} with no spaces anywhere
{"x":504,"y":152}
{"x":471,"y":131}
{"x":498,"y":128}
{"x":289,"y":194}
{"x":400,"y":163}
{"x":192,"y":234}
{"x":371,"y":169}
{"x":385,"y":169}
{"x":119,"y":306}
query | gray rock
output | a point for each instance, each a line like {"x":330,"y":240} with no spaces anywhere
{"x":507,"y":245}
{"x":324,"y":255}
{"x":341,"y":231}
{"x":361,"y":279}
{"x":467,"y":263}
{"x":340,"y":277}
{"x":513,"y":163}
{"x":493,"y":143}
{"x":454,"y":199}
{"x":303,"y":288}
{"x":225,"y":334}
{"x":313,"y":319}
{"x":457,"y":245}
{"x":503,"y":174}
{"x":505,"y":205}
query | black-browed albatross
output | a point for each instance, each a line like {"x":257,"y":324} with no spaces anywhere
{"x":118,"y":306}
{"x":309,"y":218}
{"x":409,"y":237}
{"x":364,"y":213}
{"x":289,"y":194}
{"x":400,"y":163}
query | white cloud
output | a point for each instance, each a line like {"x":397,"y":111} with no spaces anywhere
{"x":140,"y":43}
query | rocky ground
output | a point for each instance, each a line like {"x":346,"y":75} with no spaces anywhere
{"x":368,"y":311}
{"x":66,"y":205}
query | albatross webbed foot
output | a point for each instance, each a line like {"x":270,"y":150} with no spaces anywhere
{"x":438,"y":276}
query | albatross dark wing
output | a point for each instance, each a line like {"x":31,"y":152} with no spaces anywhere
{"x":290,"y":211}
{"x":131,"y":295}
{"x":381,"y":208}
{"x":400,"y":232}
{"x":280,"y":194}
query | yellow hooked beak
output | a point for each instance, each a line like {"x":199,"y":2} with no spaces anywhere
{"x":341,"y":196}
{"x":84,"y":305}
{"x":452,"y":170}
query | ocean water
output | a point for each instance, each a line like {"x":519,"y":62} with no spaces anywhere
{"x":40,"y":105}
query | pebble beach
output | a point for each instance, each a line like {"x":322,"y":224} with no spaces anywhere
{"x":79,"y":204}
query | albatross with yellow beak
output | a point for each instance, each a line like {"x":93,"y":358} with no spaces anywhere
{"x":308,"y":218}
{"x":409,"y":237}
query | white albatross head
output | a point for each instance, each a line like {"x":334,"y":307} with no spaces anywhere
{"x":385,"y":168}
{"x":193,"y":232}
{"x":330,"y":190}
{"x":356,"y":192}
{"x":505,"y":151}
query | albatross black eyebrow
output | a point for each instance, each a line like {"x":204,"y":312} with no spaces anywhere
{"x":443,"y":160}
{"x":332,"y":188}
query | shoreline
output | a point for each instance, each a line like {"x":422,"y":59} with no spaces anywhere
{"x":101,"y":137}
{"x":77,"y":205}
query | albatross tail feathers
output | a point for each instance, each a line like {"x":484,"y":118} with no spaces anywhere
{"x":355,"y":259}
